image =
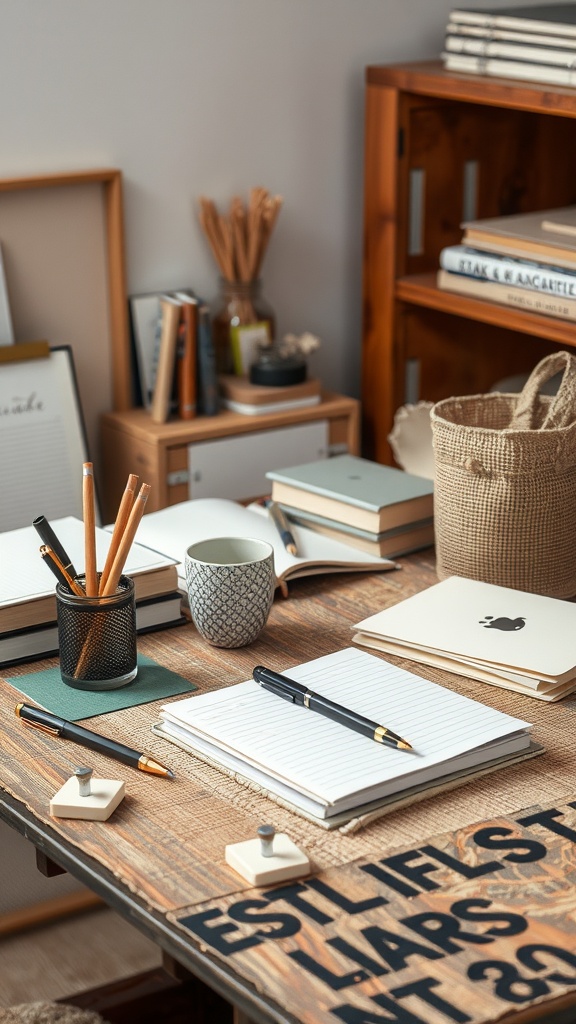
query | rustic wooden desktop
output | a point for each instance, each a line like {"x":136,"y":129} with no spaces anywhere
{"x":458,"y":908}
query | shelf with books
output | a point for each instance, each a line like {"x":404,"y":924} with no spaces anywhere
{"x":423,"y":290}
{"x":442,"y":148}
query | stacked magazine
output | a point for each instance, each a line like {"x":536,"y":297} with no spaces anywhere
{"x":504,"y":637}
{"x":536,"y":43}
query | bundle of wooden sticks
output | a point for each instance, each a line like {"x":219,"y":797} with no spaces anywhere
{"x":239,"y":240}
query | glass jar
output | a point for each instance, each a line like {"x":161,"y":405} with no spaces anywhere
{"x":240,"y":303}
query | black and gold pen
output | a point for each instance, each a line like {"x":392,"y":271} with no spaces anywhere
{"x":55,"y":726}
{"x":47,"y":535}
{"x":297,"y":693}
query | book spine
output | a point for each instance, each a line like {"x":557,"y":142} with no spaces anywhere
{"x":207,"y":377}
{"x":507,"y":270}
{"x":186,"y":363}
{"x":522,"y":298}
{"x":160,"y":409}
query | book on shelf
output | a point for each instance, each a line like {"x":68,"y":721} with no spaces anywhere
{"x":557,"y":19}
{"x":531,"y":300}
{"x":186,"y":356}
{"x":500,"y":67}
{"x":41,"y":641}
{"x":522,"y":235}
{"x":27,"y":587}
{"x":326,"y":770}
{"x":533,"y":53}
{"x":508,"y":638}
{"x":511,"y":270}
{"x":389,"y":544}
{"x":173,"y":529}
{"x":161,"y":405}
{"x":240,"y":395}
{"x":460,"y":30}
{"x":356,"y":491}
{"x":207,"y":382}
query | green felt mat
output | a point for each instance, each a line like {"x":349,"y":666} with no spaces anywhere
{"x":153,"y":682}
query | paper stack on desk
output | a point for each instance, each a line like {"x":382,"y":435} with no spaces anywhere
{"x":505,"y":637}
{"x":327,"y":771}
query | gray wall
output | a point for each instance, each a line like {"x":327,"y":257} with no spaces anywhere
{"x":191,"y":97}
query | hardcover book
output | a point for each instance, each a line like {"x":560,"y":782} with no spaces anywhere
{"x":553,"y":18}
{"x":356,"y":491}
{"x":523,"y":235}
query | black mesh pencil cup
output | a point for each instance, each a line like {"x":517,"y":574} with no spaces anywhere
{"x":97,"y":637}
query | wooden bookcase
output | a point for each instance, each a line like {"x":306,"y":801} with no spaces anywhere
{"x":440,"y":148}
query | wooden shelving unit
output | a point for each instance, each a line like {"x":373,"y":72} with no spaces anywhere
{"x":440,"y":148}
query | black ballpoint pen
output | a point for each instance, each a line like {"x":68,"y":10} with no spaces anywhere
{"x":47,"y":535}
{"x":297,"y":693}
{"x":43,"y":720}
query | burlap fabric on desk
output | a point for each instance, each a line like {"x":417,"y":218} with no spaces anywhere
{"x":166,"y":840}
{"x":505,"y":484}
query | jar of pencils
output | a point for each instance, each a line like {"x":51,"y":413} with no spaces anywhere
{"x":97,"y":637}
{"x":239,"y":307}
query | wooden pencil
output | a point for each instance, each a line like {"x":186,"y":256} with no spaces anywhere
{"x":90,"y":573}
{"x":124,"y":509}
{"x":134,"y":518}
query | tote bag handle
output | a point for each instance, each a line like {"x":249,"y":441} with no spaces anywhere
{"x":562,"y":410}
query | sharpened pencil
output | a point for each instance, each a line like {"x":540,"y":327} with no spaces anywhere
{"x":127,"y":537}
{"x":90,"y":574}
{"x":124,"y":509}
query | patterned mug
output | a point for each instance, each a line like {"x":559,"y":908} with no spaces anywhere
{"x":230,"y":583}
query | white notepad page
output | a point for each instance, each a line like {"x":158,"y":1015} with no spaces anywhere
{"x":328,"y":762}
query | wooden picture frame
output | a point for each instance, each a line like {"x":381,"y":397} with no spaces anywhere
{"x":62,"y":238}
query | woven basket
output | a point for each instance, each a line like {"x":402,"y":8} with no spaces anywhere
{"x":505,"y":484}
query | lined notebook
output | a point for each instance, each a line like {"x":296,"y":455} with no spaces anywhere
{"x":326,"y":769}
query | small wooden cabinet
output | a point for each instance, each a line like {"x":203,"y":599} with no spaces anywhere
{"x":158,"y":453}
{"x":441,"y":148}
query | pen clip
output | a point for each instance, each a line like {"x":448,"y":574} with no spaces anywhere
{"x":43,"y":728}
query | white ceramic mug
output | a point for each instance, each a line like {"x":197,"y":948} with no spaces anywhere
{"x":230,"y":582}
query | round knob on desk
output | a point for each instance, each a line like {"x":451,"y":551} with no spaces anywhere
{"x":84,"y":776}
{"x":267,"y":833}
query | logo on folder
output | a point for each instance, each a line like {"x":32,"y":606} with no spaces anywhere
{"x":503,"y":622}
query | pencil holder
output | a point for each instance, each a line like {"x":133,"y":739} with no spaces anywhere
{"x":97,"y":638}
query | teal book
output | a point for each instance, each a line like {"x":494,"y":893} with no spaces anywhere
{"x":355,"y":491}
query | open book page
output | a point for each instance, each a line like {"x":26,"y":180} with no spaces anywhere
{"x":173,"y":529}
{"x":330,"y":764}
{"x":24,"y":575}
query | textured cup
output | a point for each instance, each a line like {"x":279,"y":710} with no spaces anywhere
{"x":230,"y":583}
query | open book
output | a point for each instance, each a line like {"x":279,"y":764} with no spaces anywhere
{"x":326,"y":770}
{"x":172,"y":530}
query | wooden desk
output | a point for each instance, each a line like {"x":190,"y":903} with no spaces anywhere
{"x":350,"y":942}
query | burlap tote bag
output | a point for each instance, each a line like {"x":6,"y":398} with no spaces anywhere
{"x":505,"y":485}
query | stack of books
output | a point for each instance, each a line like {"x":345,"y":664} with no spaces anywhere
{"x":500,"y":636}
{"x":535,"y":43}
{"x":527,"y":260}
{"x":329,"y":773}
{"x":377,"y":509}
{"x":240,"y":395}
{"x":28,"y":627}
